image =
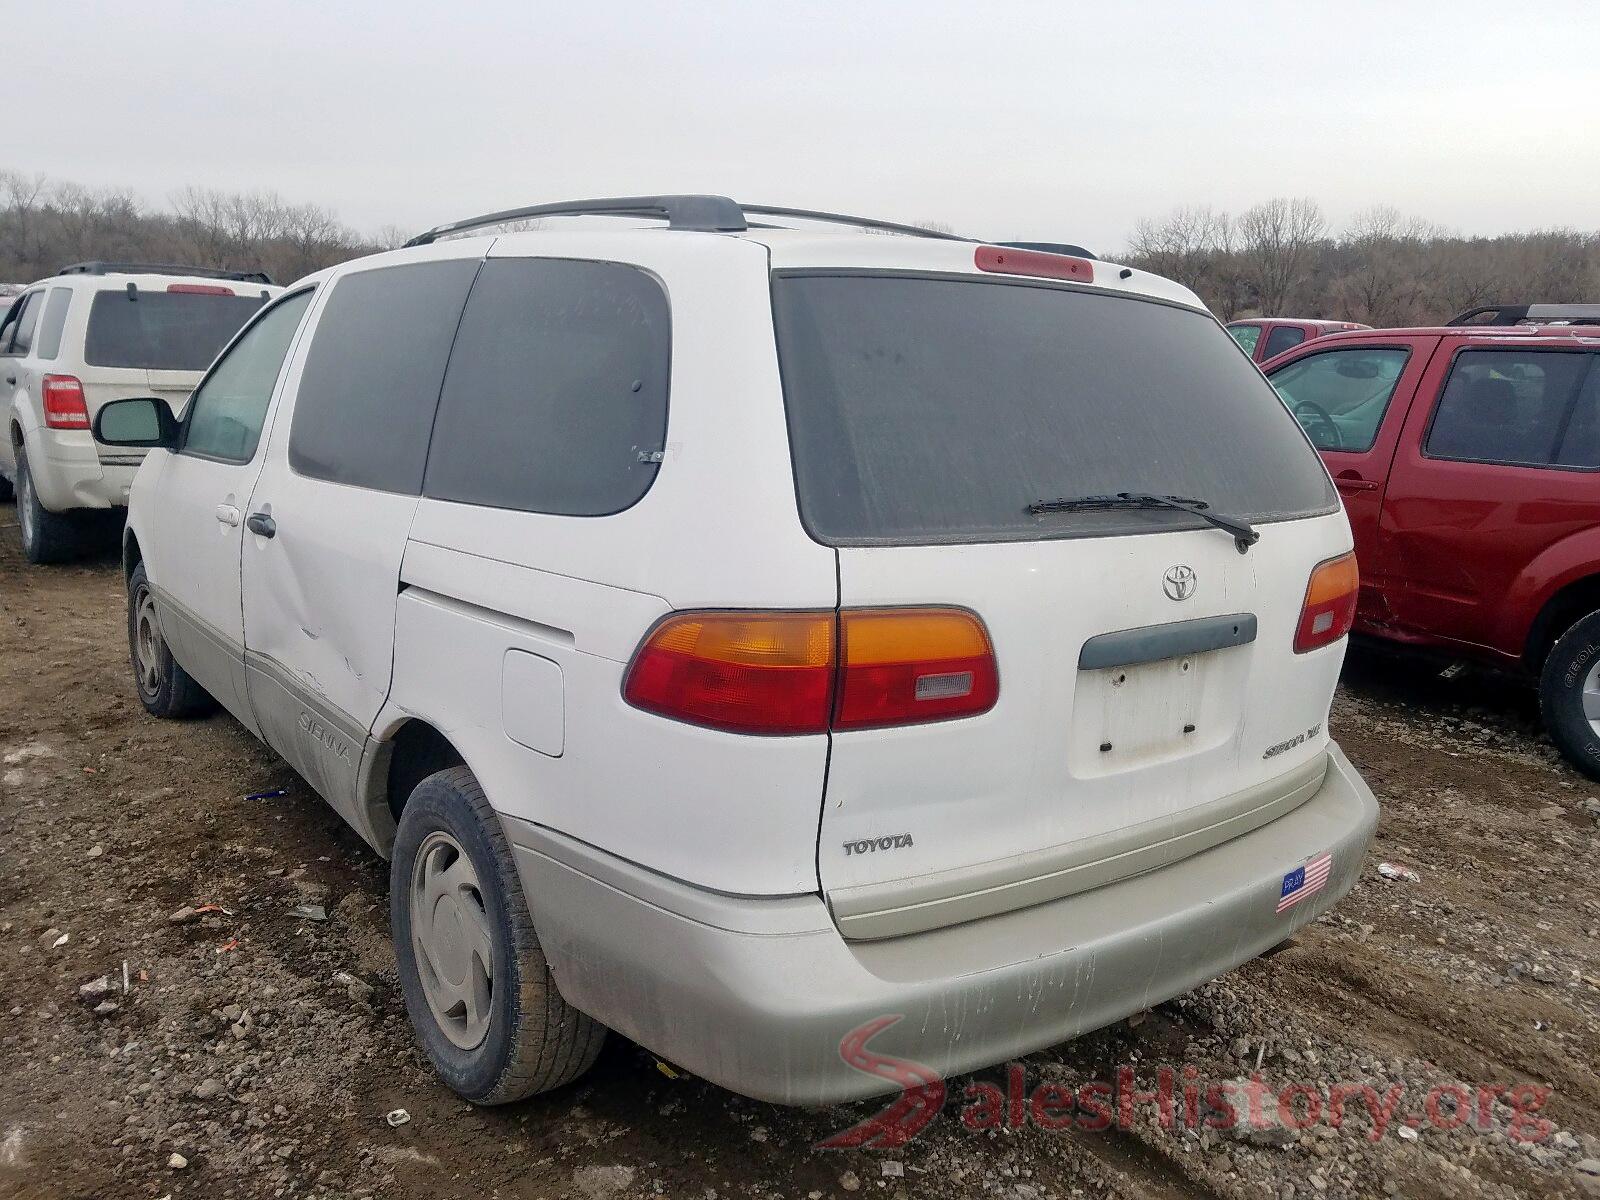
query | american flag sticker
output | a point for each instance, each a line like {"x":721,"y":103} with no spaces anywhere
{"x":1306,"y":880}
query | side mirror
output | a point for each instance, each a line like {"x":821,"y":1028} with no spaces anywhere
{"x":142,"y":423}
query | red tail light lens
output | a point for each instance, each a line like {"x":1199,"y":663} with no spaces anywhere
{"x":1330,"y":607}
{"x":64,"y":407}
{"x":200,"y":289}
{"x":907,"y":665}
{"x":800,"y":672}
{"x":748,"y":672}
{"x":1039,"y":263}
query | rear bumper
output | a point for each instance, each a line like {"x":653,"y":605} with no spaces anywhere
{"x":757,"y":994}
{"x":68,"y":473}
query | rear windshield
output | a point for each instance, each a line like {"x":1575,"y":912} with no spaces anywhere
{"x":933,"y":409}
{"x":163,"y":331}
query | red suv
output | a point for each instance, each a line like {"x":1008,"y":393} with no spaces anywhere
{"x":1268,"y":337}
{"x":1468,"y":457}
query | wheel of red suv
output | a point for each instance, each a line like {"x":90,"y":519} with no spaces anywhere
{"x":1569,"y":694}
{"x":477,"y":988}
{"x":47,"y":537}
{"x":165,"y":688}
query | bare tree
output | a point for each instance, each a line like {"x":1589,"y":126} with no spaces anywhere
{"x":1275,"y":243}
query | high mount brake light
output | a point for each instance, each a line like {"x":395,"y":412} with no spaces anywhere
{"x":64,"y":406}
{"x":1039,"y":263}
{"x":200,"y":289}
{"x":1330,"y":607}
{"x":806,"y":672}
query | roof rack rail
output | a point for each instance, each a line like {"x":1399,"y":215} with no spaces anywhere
{"x":1516,"y":314}
{"x":1053,"y":248}
{"x":808,"y":214}
{"x":715,"y":214}
{"x":116,"y":268}
{"x":707,"y":214}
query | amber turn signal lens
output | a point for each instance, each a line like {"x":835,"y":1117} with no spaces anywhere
{"x":1330,"y":606}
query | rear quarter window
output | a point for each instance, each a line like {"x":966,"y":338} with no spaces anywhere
{"x":53,"y":323}
{"x":1518,"y":408}
{"x":370,"y":385}
{"x":555,"y":400}
{"x":930,"y":409}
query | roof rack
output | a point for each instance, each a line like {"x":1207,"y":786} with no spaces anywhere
{"x":716,"y":214}
{"x":116,"y":268}
{"x":1052,"y":248}
{"x":1516,"y":314}
{"x":713,"y":214}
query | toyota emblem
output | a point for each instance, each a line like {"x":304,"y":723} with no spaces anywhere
{"x":1179,"y":582}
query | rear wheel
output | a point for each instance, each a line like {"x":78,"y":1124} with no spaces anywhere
{"x":165,"y":688}
{"x":477,"y":988}
{"x":47,"y":537}
{"x":1569,"y":694}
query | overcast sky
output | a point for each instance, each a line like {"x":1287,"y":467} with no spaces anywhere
{"x":1057,"y":121}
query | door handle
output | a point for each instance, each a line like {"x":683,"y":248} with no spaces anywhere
{"x":1350,"y":481}
{"x":260,"y":523}
{"x":227,"y":514}
{"x":11,"y":378}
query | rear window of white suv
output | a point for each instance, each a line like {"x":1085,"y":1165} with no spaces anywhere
{"x":936,"y":409}
{"x":163,"y":331}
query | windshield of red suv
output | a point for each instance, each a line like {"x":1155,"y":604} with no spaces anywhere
{"x":935,"y":409}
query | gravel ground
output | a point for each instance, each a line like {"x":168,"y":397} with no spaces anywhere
{"x":255,"y":1052}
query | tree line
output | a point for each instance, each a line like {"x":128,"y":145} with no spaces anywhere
{"x":1281,"y":258}
{"x":45,"y":225}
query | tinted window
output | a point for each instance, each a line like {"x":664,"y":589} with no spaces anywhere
{"x":1510,"y":406}
{"x":163,"y":331}
{"x":1280,"y":339}
{"x":556,"y":396}
{"x":228,"y":409}
{"x":371,"y":381}
{"x":933,"y":410}
{"x":19,"y":335}
{"x":1339,"y":396}
{"x":1246,"y":335}
{"x":54,"y":320}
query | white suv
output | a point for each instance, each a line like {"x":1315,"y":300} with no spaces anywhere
{"x":742,"y":637}
{"x":96,"y":332}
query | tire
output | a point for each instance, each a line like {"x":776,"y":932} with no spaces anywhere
{"x":503,"y":1032}
{"x":47,"y":537}
{"x":1573,"y":663}
{"x":165,"y":689}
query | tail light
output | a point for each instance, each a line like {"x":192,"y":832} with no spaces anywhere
{"x":199,"y":289}
{"x":804,"y":672}
{"x":906,"y":665}
{"x":64,"y":406}
{"x":750,"y":672}
{"x":1330,"y":607}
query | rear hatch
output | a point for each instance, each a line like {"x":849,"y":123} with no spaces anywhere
{"x":155,"y":338}
{"x":1151,"y":702}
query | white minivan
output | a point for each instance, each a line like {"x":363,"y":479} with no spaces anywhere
{"x":753,"y":639}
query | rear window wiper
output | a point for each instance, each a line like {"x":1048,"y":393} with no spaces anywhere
{"x":1244,"y":535}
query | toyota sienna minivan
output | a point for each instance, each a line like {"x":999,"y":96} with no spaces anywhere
{"x":740,"y":631}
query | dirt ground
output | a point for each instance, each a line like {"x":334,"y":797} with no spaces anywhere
{"x":263,"y":1049}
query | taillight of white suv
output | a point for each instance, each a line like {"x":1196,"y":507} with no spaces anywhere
{"x":64,"y":406}
{"x":780,"y":673}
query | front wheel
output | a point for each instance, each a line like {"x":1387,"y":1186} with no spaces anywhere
{"x":165,"y":688}
{"x":476,"y":984}
{"x":1569,"y":694}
